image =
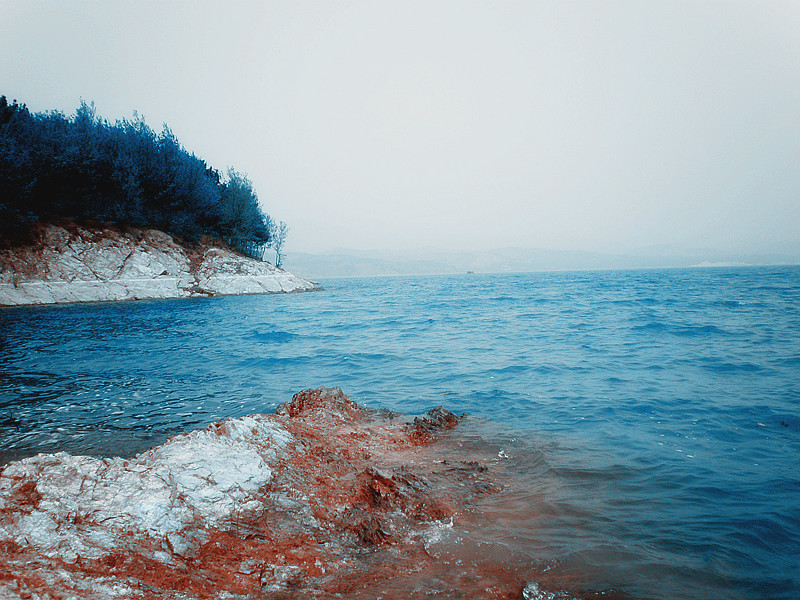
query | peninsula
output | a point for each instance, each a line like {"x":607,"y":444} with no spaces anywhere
{"x":93,"y":211}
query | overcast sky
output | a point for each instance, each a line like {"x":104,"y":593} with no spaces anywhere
{"x":455,"y":123}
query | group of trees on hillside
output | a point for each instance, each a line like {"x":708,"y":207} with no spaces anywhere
{"x":85,"y":168}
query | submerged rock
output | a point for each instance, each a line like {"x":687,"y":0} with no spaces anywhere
{"x":78,"y":264}
{"x":325,"y":499}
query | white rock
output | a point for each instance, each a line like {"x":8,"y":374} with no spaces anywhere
{"x":89,"y":266}
{"x":191,"y":482}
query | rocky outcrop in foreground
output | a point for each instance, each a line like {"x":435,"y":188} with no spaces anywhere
{"x":76,"y":264}
{"x":325,"y":499}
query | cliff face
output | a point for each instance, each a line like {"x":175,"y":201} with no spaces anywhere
{"x":78,"y":264}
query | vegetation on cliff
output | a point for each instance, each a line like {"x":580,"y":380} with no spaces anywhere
{"x":87,"y":169}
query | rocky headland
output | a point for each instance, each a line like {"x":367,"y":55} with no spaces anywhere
{"x":73,"y":263}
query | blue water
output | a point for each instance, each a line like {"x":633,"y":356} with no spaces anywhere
{"x":653,"y":415}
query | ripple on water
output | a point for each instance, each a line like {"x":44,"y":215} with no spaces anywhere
{"x":662,"y":407}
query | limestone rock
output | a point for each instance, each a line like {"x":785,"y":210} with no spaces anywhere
{"x":85,"y":265}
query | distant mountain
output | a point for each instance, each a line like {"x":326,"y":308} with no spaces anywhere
{"x":363,"y":263}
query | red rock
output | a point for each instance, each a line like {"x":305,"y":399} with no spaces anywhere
{"x":325,"y":499}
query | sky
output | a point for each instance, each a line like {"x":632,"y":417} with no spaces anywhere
{"x":456,"y":124}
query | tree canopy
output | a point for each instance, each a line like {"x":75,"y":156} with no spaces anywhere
{"x":85,"y":168}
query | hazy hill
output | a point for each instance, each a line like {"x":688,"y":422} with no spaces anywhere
{"x":361,"y":263}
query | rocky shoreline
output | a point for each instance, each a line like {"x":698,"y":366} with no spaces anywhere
{"x":71,"y":263}
{"x":323,"y":500}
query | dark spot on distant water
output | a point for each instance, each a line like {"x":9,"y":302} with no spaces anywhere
{"x":790,"y":422}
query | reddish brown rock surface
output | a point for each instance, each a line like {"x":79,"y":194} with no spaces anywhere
{"x":325,"y":499}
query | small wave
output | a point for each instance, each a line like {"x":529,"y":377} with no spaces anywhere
{"x":532,"y":591}
{"x":681,"y":330}
{"x":655,"y":367}
{"x":265,"y":362}
{"x":699,"y":330}
{"x":273,"y":337}
{"x":652,"y":326}
{"x":729,"y":303}
{"x":767,"y":534}
{"x":722,"y":366}
{"x":514,"y":370}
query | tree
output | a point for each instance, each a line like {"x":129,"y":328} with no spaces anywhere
{"x":85,"y":168}
{"x":278,"y":236}
{"x":244,"y":227}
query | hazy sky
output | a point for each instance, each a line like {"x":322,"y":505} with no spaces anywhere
{"x":453,"y":123}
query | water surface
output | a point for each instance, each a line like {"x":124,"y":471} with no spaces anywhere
{"x":649,"y":421}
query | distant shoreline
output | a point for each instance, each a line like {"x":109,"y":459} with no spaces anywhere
{"x":356,"y":265}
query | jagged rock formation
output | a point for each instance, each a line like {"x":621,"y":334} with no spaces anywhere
{"x":323,"y":500}
{"x":77,"y":264}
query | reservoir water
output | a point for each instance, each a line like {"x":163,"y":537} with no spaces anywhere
{"x":647,"y":422}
